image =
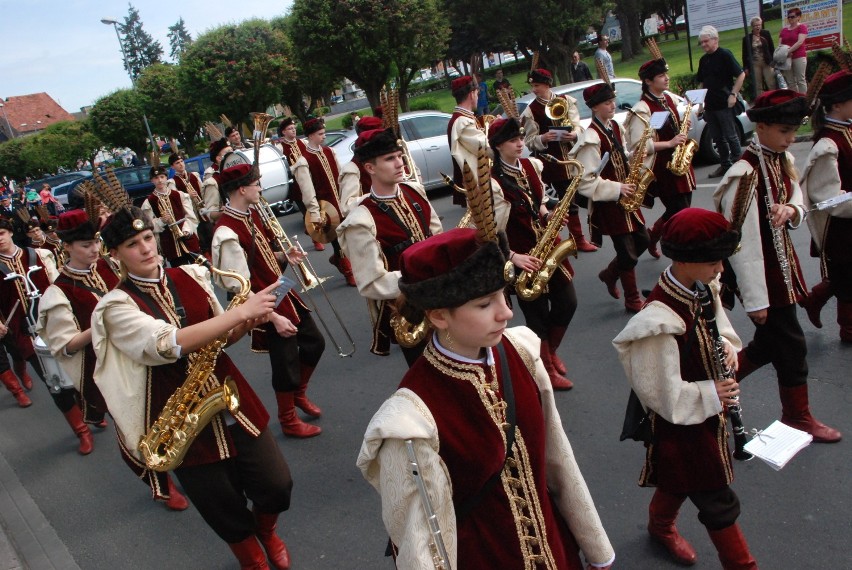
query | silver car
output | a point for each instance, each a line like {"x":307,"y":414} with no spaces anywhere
{"x":628,"y":92}
{"x":425,"y":132}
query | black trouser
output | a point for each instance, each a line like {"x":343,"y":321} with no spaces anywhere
{"x":561,"y":186}
{"x":724,"y":133}
{"x":4,"y":360}
{"x":716,"y":509}
{"x":628,"y":248}
{"x":840,"y":275}
{"x":781,"y":341}
{"x":555,"y":308}
{"x":220,"y":490}
{"x":674,"y":203}
{"x":287,"y":355}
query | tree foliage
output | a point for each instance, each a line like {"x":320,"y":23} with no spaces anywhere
{"x":179,"y":40}
{"x":117,"y":120}
{"x":139,"y":49}
{"x":171,"y":111}
{"x":59,"y":146}
{"x":237,"y":69}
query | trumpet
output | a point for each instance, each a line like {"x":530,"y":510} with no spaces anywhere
{"x":174,"y":225}
{"x":306,"y":275}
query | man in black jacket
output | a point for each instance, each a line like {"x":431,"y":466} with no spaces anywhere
{"x":579,"y":70}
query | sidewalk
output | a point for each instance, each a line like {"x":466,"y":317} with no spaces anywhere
{"x":27,"y":540}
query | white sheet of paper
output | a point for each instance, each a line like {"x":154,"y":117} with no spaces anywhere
{"x":658,"y":119}
{"x":561,"y":135}
{"x":696,"y":95}
{"x":778,"y":444}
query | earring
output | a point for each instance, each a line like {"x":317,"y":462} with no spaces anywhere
{"x":448,"y":342}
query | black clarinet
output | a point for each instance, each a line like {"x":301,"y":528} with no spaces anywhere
{"x":734,"y":410}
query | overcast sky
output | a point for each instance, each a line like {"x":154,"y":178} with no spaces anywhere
{"x":62,"y":48}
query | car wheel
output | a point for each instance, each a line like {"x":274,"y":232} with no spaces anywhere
{"x":707,"y":151}
{"x":284,"y":208}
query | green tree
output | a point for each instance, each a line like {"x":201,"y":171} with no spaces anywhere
{"x":179,"y":40}
{"x":117,"y":120}
{"x":170,"y":110}
{"x":237,"y":69}
{"x":418,"y":37}
{"x":60,"y":145}
{"x":140,"y":49}
{"x":12,"y":162}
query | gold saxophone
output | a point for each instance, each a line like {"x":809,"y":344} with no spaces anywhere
{"x":639,"y":175}
{"x":166,"y":207}
{"x":192,"y":406}
{"x":531,"y":284}
{"x":408,"y":334}
{"x":683,"y":153}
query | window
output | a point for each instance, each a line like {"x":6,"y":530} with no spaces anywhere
{"x":426,"y":126}
{"x":627,"y":94}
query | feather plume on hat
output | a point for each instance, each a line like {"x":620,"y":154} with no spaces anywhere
{"x":602,"y":72}
{"x":842,"y":55}
{"x":213,"y":131}
{"x":506,"y":97}
{"x":815,"y":84}
{"x":480,"y":197}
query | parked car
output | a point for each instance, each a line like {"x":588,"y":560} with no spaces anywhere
{"x":425,"y":132}
{"x":61,"y":184}
{"x":628,"y":93}
{"x":197,"y":164}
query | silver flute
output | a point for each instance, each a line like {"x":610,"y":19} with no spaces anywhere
{"x":440,"y":557}
{"x":777,"y":232}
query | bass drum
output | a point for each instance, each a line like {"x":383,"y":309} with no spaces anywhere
{"x":274,"y":171}
{"x":56,"y":378}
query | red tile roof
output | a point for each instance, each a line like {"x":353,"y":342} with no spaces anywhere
{"x":31,"y":113}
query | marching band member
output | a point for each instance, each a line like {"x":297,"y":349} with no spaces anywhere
{"x":463,"y":131}
{"x":317,"y":174}
{"x":669,"y":356}
{"x":674,"y":191}
{"x":540,"y":138}
{"x":174,"y":219}
{"x":769,"y":291}
{"x":145,"y":333}
{"x":519,"y":189}
{"x":190,"y":184}
{"x":384,"y":223}
{"x":235,"y":139}
{"x":479,"y":411}
{"x":210,"y":185}
{"x":7,"y":376}
{"x":828,"y":173}
{"x":627,"y":229}
{"x":292,"y":148}
{"x":35,"y":233}
{"x":354,"y":178}
{"x":243,"y":244}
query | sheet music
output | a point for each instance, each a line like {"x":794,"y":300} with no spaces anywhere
{"x":778,"y":444}
{"x":658,"y":119}
{"x":696,"y":95}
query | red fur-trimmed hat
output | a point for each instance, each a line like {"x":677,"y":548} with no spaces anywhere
{"x":311,"y":126}
{"x":779,"y":107}
{"x":374,"y":143}
{"x":540,"y":75}
{"x":236,"y":176}
{"x":695,"y":235}
{"x":836,"y":89}
{"x":651,"y":69}
{"x":216,"y":147}
{"x":463,"y":85}
{"x":449,"y":269}
{"x":502,"y":130}
{"x":598,"y":93}
{"x":368,"y":124}
{"x":74,"y":225}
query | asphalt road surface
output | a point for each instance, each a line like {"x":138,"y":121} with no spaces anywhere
{"x":795,"y":518}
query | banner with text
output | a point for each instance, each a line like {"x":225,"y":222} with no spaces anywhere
{"x":824,"y":19}
{"x":721,"y":14}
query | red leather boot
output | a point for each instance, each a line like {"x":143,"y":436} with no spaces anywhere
{"x":74,"y":417}
{"x":300,"y":397}
{"x":732,"y":548}
{"x":654,"y":233}
{"x":610,"y":277}
{"x":558,"y":381}
{"x":796,"y":412}
{"x":816,"y":300}
{"x":555,"y":336}
{"x":21,"y":370}
{"x":575,"y":226}
{"x":291,"y":425}
{"x":346,"y":269}
{"x":318,"y":246}
{"x":662,"y":513}
{"x":176,"y":501}
{"x":844,"y":319}
{"x":632,"y":299}
{"x":276,"y":550}
{"x":249,"y":554}
{"x":11,"y":382}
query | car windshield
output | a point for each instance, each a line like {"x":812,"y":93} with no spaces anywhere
{"x":425,"y":127}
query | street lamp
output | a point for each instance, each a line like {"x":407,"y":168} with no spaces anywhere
{"x":114,"y":24}
{"x":6,"y":117}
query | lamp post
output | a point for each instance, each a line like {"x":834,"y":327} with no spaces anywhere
{"x":8,"y":126}
{"x":114,"y":24}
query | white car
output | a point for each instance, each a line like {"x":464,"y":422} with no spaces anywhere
{"x":425,"y":132}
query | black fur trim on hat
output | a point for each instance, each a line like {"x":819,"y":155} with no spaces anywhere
{"x":653,"y":68}
{"x":510,"y":129}
{"x":284,"y":124}
{"x":721,"y":247}
{"x":380,"y":144}
{"x":479,"y":275}
{"x":84,"y":232}
{"x":790,"y":112}
{"x":535,"y":76}
{"x":123,"y":225}
{"x":157,"y":170}
{"x":6,"y":224}
{"x":174,"y":157}
{"x":604,"y":93}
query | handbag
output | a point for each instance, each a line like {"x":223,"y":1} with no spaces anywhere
{"x":637,"y":421}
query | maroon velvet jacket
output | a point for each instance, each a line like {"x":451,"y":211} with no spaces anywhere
{"x":83,"y":292}
{"x":181,"y":183}
{"x":837,"y":245}
{"x":459,"y":396}
{"x":688,"y":458}
{"x":552,"y":172}
{"x":325,"y":183}
{"x":779,"y":294}
{"x":168,"y":245}
{"x":666,"y":183}
{"x":609,"y":217}
{"x":290,"y":151}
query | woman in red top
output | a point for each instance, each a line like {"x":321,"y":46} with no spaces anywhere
{"x":794,"y":34}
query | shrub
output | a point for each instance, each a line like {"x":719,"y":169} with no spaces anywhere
{"x":347,"y":121}
{"x":424,"y":104}
{"x":683,"y":82}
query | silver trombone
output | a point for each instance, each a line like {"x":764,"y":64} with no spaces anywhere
{"x":305,"y":274}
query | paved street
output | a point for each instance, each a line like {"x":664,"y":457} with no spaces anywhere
{"x":67,"y":509}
